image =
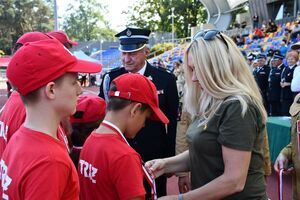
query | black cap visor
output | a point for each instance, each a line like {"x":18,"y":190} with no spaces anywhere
{"x":131,"y":47}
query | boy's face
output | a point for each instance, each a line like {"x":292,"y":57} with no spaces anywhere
{"x":67,"y":92}
{"x":137,"y":122}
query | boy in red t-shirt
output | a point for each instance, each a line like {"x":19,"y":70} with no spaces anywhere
{"x":108,"y":167}
{"x":35,"y":164}
{"x":13,"y":112}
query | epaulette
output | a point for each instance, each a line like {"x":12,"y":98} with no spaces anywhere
{"x":115,"y":69}
{"x":164,"y":69}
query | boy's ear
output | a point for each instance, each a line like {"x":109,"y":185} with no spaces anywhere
{"x":50,"y":90}
{"x":136,"y":107}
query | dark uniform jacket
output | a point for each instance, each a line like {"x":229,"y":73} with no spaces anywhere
{"x":287,"y":76}
{"x":261,"y":75}
{"x":152,"y":141}
{"x":274,"y":83}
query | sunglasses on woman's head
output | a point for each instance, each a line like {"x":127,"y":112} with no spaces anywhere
{"x":209,"y":35}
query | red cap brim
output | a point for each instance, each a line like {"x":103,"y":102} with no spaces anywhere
{"x":73,"y":43}
{"x":158,"y":115}
{"x":84,"y":66}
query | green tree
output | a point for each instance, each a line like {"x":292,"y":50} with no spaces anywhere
{"x":18,"y":17}
{"x":157,"y":15}
{"x":86,"y":22}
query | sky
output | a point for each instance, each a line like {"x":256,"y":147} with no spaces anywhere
{"x":114,"y":7}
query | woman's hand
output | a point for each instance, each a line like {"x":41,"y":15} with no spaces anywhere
{"x":184,"y":183}
{"x":156,"y":167}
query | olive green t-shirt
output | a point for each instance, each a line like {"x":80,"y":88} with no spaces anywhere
{"x":228,"y":128}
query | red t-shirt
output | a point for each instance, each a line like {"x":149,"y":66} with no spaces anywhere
{"x":109,"y":169}
{"x":37,"y":166}
{"x":12,"y":117}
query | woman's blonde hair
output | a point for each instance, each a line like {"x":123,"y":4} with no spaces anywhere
{"x":222,"y":72}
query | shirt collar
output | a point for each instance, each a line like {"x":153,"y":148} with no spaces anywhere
{"x":143,"y":69}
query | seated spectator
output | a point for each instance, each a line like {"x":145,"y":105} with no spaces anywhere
{"x":272,"y":27}
{"x":258,"y":33}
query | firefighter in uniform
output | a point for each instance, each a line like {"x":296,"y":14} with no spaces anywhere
{"x":277,"y":67}
{"x":261,"y":75}
{"x":155,"y":140}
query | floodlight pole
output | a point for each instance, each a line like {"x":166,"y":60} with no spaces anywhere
{"x":172,"y":24}
{"x":101,"y":41}
{"x":55,"y":16}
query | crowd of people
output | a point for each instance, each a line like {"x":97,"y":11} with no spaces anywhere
{"x":205,"y":122}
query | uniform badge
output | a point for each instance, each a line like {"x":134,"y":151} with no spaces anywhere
{"x":160,"y":91}
{"x":128,"y":33}
{"x":150,"y":78}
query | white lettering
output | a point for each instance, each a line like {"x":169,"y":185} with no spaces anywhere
{"x":3,"y":130}
{"x":87,"y":170}
{"x":5,"y":179}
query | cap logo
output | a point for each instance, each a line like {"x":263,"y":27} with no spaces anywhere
{"x":128,"y":33}
{"x":117,"y":93}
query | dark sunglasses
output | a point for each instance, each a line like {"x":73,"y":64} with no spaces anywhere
{"x":210,"y":35}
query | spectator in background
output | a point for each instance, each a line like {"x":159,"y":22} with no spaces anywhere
{"x":283,"y":47}
{"x":226,"y":136}
{"x":258,"y":33}
{"x":261,"y":75}
{"x":277,"y":67}
{"x":255,"y":20}
{"x":264,"y":26}
{"x":250,"y":58}
{"x":272,"y":27}
{"x":287,"y":96}
{"x":295,"y":84}
{"x":269,"y":56}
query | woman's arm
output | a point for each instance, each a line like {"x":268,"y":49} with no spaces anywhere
{"x":173,"y":164}
{"x":233,"y":179}
{"x":236,"y":165}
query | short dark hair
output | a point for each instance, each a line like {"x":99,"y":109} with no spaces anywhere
{"x":33,"y":96}
{"x":115,"y":103}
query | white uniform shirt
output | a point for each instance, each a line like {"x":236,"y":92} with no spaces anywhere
{"x":295,"y":85}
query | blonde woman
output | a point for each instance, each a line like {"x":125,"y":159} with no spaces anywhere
{"x":225,"y":153}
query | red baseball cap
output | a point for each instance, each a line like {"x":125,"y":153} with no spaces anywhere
{"x":32,"y":37}
{"x":62,"y":37}
{"x":89,"y":109}
{"x":37,"y":63}
{"x":139,"y":88}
